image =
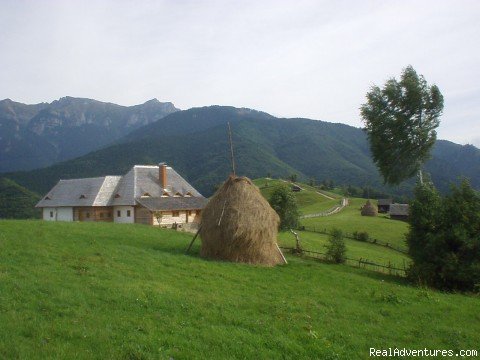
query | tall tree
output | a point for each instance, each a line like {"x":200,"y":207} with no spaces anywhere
{"x":400,"y":121}
{"x":444,"y":238}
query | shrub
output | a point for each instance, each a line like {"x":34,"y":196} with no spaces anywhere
{"x":361,"y":236}
{"x":336,"y":247}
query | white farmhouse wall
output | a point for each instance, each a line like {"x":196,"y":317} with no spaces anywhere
{"x":123,"y":218}
{"x":64,"y":214}
{"x":46,"y":214}
{"x":58,"y":214}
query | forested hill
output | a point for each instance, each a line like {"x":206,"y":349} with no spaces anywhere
{"x":195,"y":143}
{"x":34,"y":136}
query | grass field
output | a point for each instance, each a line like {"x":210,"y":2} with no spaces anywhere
{"x":308,"y":200}
{"x":355,"y":249}
{"x":112,"y":291}
{"x":349,"y":220}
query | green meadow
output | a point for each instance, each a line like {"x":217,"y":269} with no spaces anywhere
{"x":349,"y":220}
{"x":113,"y":291}
{"x":309,"y":200}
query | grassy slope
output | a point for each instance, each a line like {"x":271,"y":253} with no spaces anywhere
{"x":355,"y":249}
{"x":79,"y":290}
{"x":350,"y":220}
{"x":308,"y":200}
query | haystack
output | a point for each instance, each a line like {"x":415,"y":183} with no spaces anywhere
{"x":369,"y":209}
{"x":239,"y":225}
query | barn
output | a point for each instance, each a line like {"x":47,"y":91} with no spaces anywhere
{"x":399,"y":211}
{"x":152,"y":195}
{"x":384,"y":205}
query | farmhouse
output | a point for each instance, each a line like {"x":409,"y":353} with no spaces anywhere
{"x":153,"y":195}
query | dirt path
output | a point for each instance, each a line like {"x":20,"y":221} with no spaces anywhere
{"x":334,"y":210}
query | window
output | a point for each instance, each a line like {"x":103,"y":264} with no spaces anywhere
{"x":51,"y":214}
{"x":101,"y":215}
{"x":117,"y":196}
{"x":175,"y":213}
{"x":47,"y":198}
{"x":88,"y":215}
{"x":128,"y":213}
{"x":188,"y":194}
{"x":146,"y":194}
{"x":119,"y":213}
{"x":82,"y":197}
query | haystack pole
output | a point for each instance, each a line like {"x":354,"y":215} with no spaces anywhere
{"x":238,"y":224}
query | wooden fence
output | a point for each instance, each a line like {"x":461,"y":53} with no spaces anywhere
{"x":388,"y":268}
{"x":352,"y":237}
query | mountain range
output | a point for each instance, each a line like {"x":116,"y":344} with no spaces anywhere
{"x":34,"y":136}
{"x":195,"y":143}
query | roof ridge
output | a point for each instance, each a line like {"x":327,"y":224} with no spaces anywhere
{"x":99,"y":190}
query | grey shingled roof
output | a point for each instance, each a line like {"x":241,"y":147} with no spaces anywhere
{"x":122,"y":190}
{"x":173,"y":203}
{"x":143,"y":179}
{"x":384,"y":201}
{"x":81,"y":192}
{"x":399,"y":209}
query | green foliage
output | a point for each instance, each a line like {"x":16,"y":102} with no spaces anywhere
{"x":336,"y":248}
{"x":400,"y":121}
{"x":284,"y":203}
{"x":444,"y":238}
{"x":361,"y":236}
{"x":17,"y":202}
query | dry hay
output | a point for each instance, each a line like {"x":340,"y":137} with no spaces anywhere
{"x":369,"y":209}
{"x":239,"y":225}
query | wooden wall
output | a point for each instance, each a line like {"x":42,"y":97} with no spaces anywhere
{"x":93,"y":213}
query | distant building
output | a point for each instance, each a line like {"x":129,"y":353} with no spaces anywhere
{"x":384,"y":205}
{"x":399,"y":211}
{"x":153,"y":195}
{"x":296,"y":188}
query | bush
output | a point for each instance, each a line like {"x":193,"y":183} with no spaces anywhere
{"x":361,"y":236}
{"x":336,"y":247}
{"x":444,"y":238}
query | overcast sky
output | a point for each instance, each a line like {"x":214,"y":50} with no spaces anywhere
{"x":314,"y":59}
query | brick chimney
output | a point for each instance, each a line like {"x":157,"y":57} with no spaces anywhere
{"x":162,"y":174}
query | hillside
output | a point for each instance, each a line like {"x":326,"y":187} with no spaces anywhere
{"x":16,"y":202}
{"x":195,"y":143}
{"x":34,"y":136}
{"x":309,"y":200}
{"x":79,"y":290}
